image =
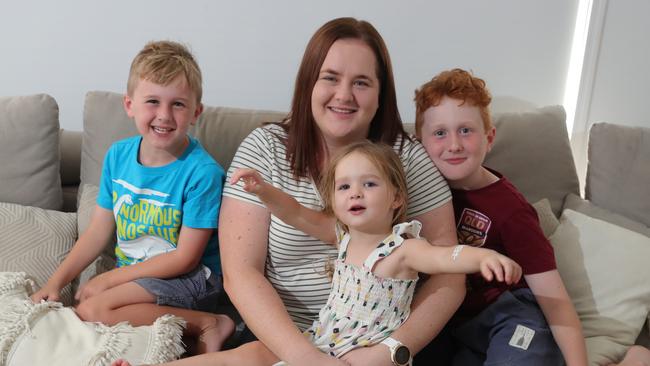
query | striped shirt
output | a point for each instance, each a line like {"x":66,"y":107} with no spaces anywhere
{"x":295,"y":261}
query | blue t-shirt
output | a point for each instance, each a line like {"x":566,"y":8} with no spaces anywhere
{"x":150,"y":204}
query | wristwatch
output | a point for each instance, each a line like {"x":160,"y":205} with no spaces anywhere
{"x":399,"y":353}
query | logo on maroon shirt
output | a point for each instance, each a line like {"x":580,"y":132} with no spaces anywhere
{"x":473,"y":228}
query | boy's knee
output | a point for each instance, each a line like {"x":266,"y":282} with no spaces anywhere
{"x":89,"y":311}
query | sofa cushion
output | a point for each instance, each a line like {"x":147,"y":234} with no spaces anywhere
{"x":576,"y":203}
{"x":49,"y":334}
{"x":219,"y":129}
{"x":618,"y":172}
{"x":604,"y":268}
{"x":36,"y":241}
{"x":222,"y":129}
{"x":105,"y":122}
{"x":29,"y":151}
{"x":532,"y":150}
{"x":547,"y":220}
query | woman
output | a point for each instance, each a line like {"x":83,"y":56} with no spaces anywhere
{"x":274,"y":274}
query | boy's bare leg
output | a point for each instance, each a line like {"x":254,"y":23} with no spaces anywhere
{"x":253,"y":354}
{"x":636,"y":356}
{"x":136,"y":305}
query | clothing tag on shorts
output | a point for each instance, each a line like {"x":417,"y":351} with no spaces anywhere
{"x":522,"y":337}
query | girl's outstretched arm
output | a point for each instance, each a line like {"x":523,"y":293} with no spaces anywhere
{"x":285,"y":207}
{"x":426,"y":258}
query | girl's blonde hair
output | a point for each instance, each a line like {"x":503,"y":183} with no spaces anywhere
{"x":384,"y":158}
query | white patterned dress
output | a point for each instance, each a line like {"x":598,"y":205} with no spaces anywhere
{"x":363,"y":309}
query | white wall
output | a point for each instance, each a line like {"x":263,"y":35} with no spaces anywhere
{"x":249,"y":50}
{"x":619,"y":77}
{"x":622,"y":83}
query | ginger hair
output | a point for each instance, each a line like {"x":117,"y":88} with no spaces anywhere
{"x":457,"y":84}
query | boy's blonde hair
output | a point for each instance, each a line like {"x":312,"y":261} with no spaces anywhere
{"x":457,"y":84}
{"x":384,"y":158}
{"x":161,"y":62}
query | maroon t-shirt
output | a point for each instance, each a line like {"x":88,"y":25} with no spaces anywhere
{"x":498,"y":217}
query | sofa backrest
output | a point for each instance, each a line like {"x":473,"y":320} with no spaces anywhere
{"x":219,"y":129}
{"x":222,"y":129}
{"x":532,"y":149}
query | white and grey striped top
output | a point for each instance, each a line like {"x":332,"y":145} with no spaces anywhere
{"x":295,"y":262}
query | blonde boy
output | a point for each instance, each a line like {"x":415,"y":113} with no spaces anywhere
{"x":160,"y":191}
{"x":532,"y":322}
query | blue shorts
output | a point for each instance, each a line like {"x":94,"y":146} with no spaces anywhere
{"x":189,"y":291}
{"x":511,"y":331}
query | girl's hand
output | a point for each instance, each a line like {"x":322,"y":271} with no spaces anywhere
{"x":504,"y":269}
{"x":253,"y":181}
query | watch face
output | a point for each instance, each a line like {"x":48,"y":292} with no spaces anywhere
{"x":402,"y":355}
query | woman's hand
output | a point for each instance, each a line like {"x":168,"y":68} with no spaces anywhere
{"x":378,"y":355}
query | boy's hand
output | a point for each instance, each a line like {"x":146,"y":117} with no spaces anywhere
{"x":498,"y":266}
{"x":253,"y":181}
{"x":94,"y":286}
{"x":48,"y":293}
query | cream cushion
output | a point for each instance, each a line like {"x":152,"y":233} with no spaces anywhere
{"x":576,"y":203}
{"x":36,"y":241}
{"x":50,"y":334}
{"x":604,"y":268}
{"x":29,"y":151}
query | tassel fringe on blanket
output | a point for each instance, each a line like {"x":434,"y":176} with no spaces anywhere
{"x":18,"y":313}
{"x":18,"y":310}
{"x":164,"y":344}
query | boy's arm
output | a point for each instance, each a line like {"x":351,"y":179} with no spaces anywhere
{"x":189,"y":249}
{"x":286,"y":208}
{"x":425,"y":258}
{"x":86,"y":249}
{"x":560,"y":314}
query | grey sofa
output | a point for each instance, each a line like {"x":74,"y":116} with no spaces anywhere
{"x":49,"y":178}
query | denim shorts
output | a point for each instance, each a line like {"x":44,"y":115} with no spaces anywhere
{"x":189,"y":291}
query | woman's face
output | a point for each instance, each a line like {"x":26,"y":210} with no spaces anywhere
{"x":346,"y":95}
